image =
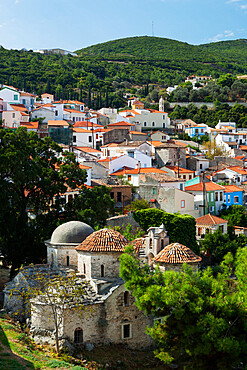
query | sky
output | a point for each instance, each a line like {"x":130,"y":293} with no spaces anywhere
{"x":74,"y":24}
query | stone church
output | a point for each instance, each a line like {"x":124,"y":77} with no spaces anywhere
{"x":111,"y":316}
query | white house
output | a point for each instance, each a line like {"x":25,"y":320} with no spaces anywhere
{"x":83,"y":137}
{"x":43,"y":112}
{"x":148,"y":118}
{"x":47,"y":98}
{"x":28,"y":100}
{"x":139,"y":160}
{"x":10,"y":95}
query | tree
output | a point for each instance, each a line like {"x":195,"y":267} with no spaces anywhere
{"x":213,"y":150}
{"x":139,"y":204}
{"x":92,"y":206}
{"x":226,"y":80}
{"x":55,"y":294}
{"x":236,"y":214}
{"x":32,"y":175}
{"x":201,"y":318}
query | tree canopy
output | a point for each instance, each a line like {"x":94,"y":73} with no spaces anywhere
{"x":201,"y":317}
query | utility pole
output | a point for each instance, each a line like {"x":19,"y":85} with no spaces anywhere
{"x":92,"y":135}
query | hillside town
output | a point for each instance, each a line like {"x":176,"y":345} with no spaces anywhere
{"x":185,"y":175}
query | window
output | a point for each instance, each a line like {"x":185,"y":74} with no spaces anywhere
{"x":97,"y":136}
{"x":131,"y":154}
{"x":89,"y":139}
{"x":119,"y":196}
{"x":78,"y":336}
{"x":150,"y":243}
{"x":199,"y":231}
{"x":74,"y":139}
{"x":126,"y":299}
{"x":32,"y":101}
{"x":225,"y":198}
{"x":13,"y":115}
{"x":129,"y":177}
{"x":56,"y":113}
{"x":202,"y":130}
{"x":236,"y":199}
{"x":84,"y":268}
{"x":182,"y":203}
{"x":221,"y":228}
{"x":15,"y":97}
{"x":212,"y":197}
{"x":216,"y":196}
{"x":154,"y":191}
{"x":164,"y":116}
{"x":126,"y":330}
{"x":221,"y":195}
{"x":102,"y":270}
{"x":190,"y":177}
{"x":153,"y":124}
{"x":67,"y":261}
{"x":200,"y":166}
{"x":184,"y":177}
{"x":112,"y":195}
{"x":162,"y":243}
{"x":181,"y":187}
{"x":144,"y":124}
{"x":229,"y":199}
{"x":24,"y":101}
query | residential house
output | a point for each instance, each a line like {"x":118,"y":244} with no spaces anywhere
{"x":209,"y":224}
{"x":170,"y":154}
{"x":82,"y":137}
{"x":60,"y":132}
{"x":148,"y":118}
{"x":11,"y":95}
{"x":46,"y":112}
{"x":28,"y":100}
{"x":135,"y":159}
{"x":196,"y":130}
{"x":234,"y":175}
{"x":197,"y":163}
{"x":14,"y":115}
{"x":122,"y":125}
{"x":47,"y":98}
{"x":86,"y":153}
{"x":137,"y":136}
{"x":110,"y":135}
{"x":179,"y":172}
{"x":121,"y":194}
{"x":233,"y":195}
{"x":74,"y":115}
{"x":158,"y":136}
{"x":209,"y":197}
{"x":126,"y":147}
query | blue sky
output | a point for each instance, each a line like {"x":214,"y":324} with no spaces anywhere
{"x":73,"y":24}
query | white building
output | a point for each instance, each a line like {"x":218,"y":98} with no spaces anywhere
{"x":148,"y":118}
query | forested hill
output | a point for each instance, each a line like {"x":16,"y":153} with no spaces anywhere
{"x":103,"y":72}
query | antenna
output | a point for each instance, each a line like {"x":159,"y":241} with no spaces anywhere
{"x":153,"y":28}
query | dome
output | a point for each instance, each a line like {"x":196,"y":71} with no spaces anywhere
{"x":176,"y":253}
{"x":104,"y":240}
{"x":72,"y":232}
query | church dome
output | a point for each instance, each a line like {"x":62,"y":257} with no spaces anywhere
{"x":104,"y":240}
{"x":72,"y":232}
{"x":176,"y":253}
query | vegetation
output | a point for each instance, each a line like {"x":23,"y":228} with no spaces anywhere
{"x":202,"y":317}
{"x":142,"y":65}
{"x":236,"y":215}
{"x":180,"y":228}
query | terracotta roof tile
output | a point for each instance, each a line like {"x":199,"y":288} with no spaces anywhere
{"x":104,"y":240}
{"x":177,"y":253}
{"x":210,"y":220}
{"x":210,"y":186}
{"x":138,"y":244}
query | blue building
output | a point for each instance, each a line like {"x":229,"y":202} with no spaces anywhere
{"x":233,"y":195}
{"x":197,"y":130}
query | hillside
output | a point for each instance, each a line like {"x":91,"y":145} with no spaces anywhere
{"x":110,"y":68}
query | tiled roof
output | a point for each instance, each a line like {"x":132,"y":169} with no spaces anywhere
{"x":138,"y":244}
{"x":177,"y":253}
{"x":104,"y":240}
{"x":82,"y":130}
{"x":19,"y":107}
{"x":57,"y":123}
{"x":122,"y":123}
{"x":30,"y":125}
{"x":137,"y":133}
{"x":138,"y":170}
{"x":232,"y":188}
{"x":87,"y":149}
{"x":210,"y":186}
{"x":86,"y":124}
{"x":210,"y":220}
{"x":181,"y":169}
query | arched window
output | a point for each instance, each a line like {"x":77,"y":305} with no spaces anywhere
{"x":67,"y":260}
{"x":78,"y":335}
{"x":126,"y":298}
{"x":84,"y":268}
{"x":102,"y":270}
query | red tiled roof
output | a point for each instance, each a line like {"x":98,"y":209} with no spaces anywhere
{"x":30,"y":125}
{"x":210,"y":220}
{"x":122,"y":123}
{"x":138,"y":244}
{"x":210,"y":186}
{"x":177,"y":253}
{"x":104,"y":240}
{"x":138,"y":170}
{"x":232,"y":188}
{"x":86,"y":124}
{"x":181,"y":169}
{"x":57,"y":123}
{"x":87,"y":149}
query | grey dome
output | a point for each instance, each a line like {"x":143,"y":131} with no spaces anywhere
{"x":72,"y":232}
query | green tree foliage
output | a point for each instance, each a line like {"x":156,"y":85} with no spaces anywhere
{"x":92,"y":206}
{"x":29,"y":183}
{"x":236,"y":215}
{"x":217,"y":245}
{"x":129,"y":233}
{"x":139,"y":204}
{"x":203,"y":318}
{"x":180,"y":228}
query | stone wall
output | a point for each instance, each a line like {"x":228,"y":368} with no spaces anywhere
{"x":170,"y":155}
{"x":226,"y":161}
{"x":115,"y":136}
{"x":123,"y":221}
{"x":93,"y":262}
{"x":60,"y":254}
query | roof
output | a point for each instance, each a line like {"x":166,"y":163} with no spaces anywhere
{"x":57,"y":123}
{"x":19,"y":107}
{"x":107,"y":159}
{"x":87,"y":149}
{"x":210,"y":186}
{"x":210,"y":220}
{"x":177,"y":253}
{"x":104,"y":240}
{"x":71,"y":232}
{"x":232,"y":188}
{"x":136,"y":171}
{"x":181,"y":169}
{"x":138,"y":244}
{"x":30,"y":125}
{"x":137,"y":133}
{"x":86,"y":124}
{"x":82,"y":130}
{"x":74,"y":111}
{"x":122,"y":123}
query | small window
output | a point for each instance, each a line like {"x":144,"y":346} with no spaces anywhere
{"x":78,"y":336}
{"x":229,"y":199}
{"x":221,"y":228}
{"x":184,"y":177}
{"x":126,"y":331}
{"x":112,"y":195}
{"x":15,"y":97}
{"x":221,"y":196}
{"x":162,"y":244}
{"x":212,"y":197}
{"x":119,"y":196}
{"x":236,"y":199}
{"x":216,"y":196}
{"x":13,"y":115}
{"x":190,"y":177}
{"x":200,"y":166}
{"x":74,"y":139}
{"x":153,"y":124}
{"x":102,"y":270}
{"x":126,"y":299}
{"x":56,"y":113}
{"x":67,"y":261}
{"x":144,"y":124}
{"x":182,"y":203}
{"x":129,"y":177}
{"x":84,"y":268}
{"x":154,"y":191}
{"x":89,"y":139}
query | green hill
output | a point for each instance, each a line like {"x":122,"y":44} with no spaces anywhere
{"x":106,"y":70}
